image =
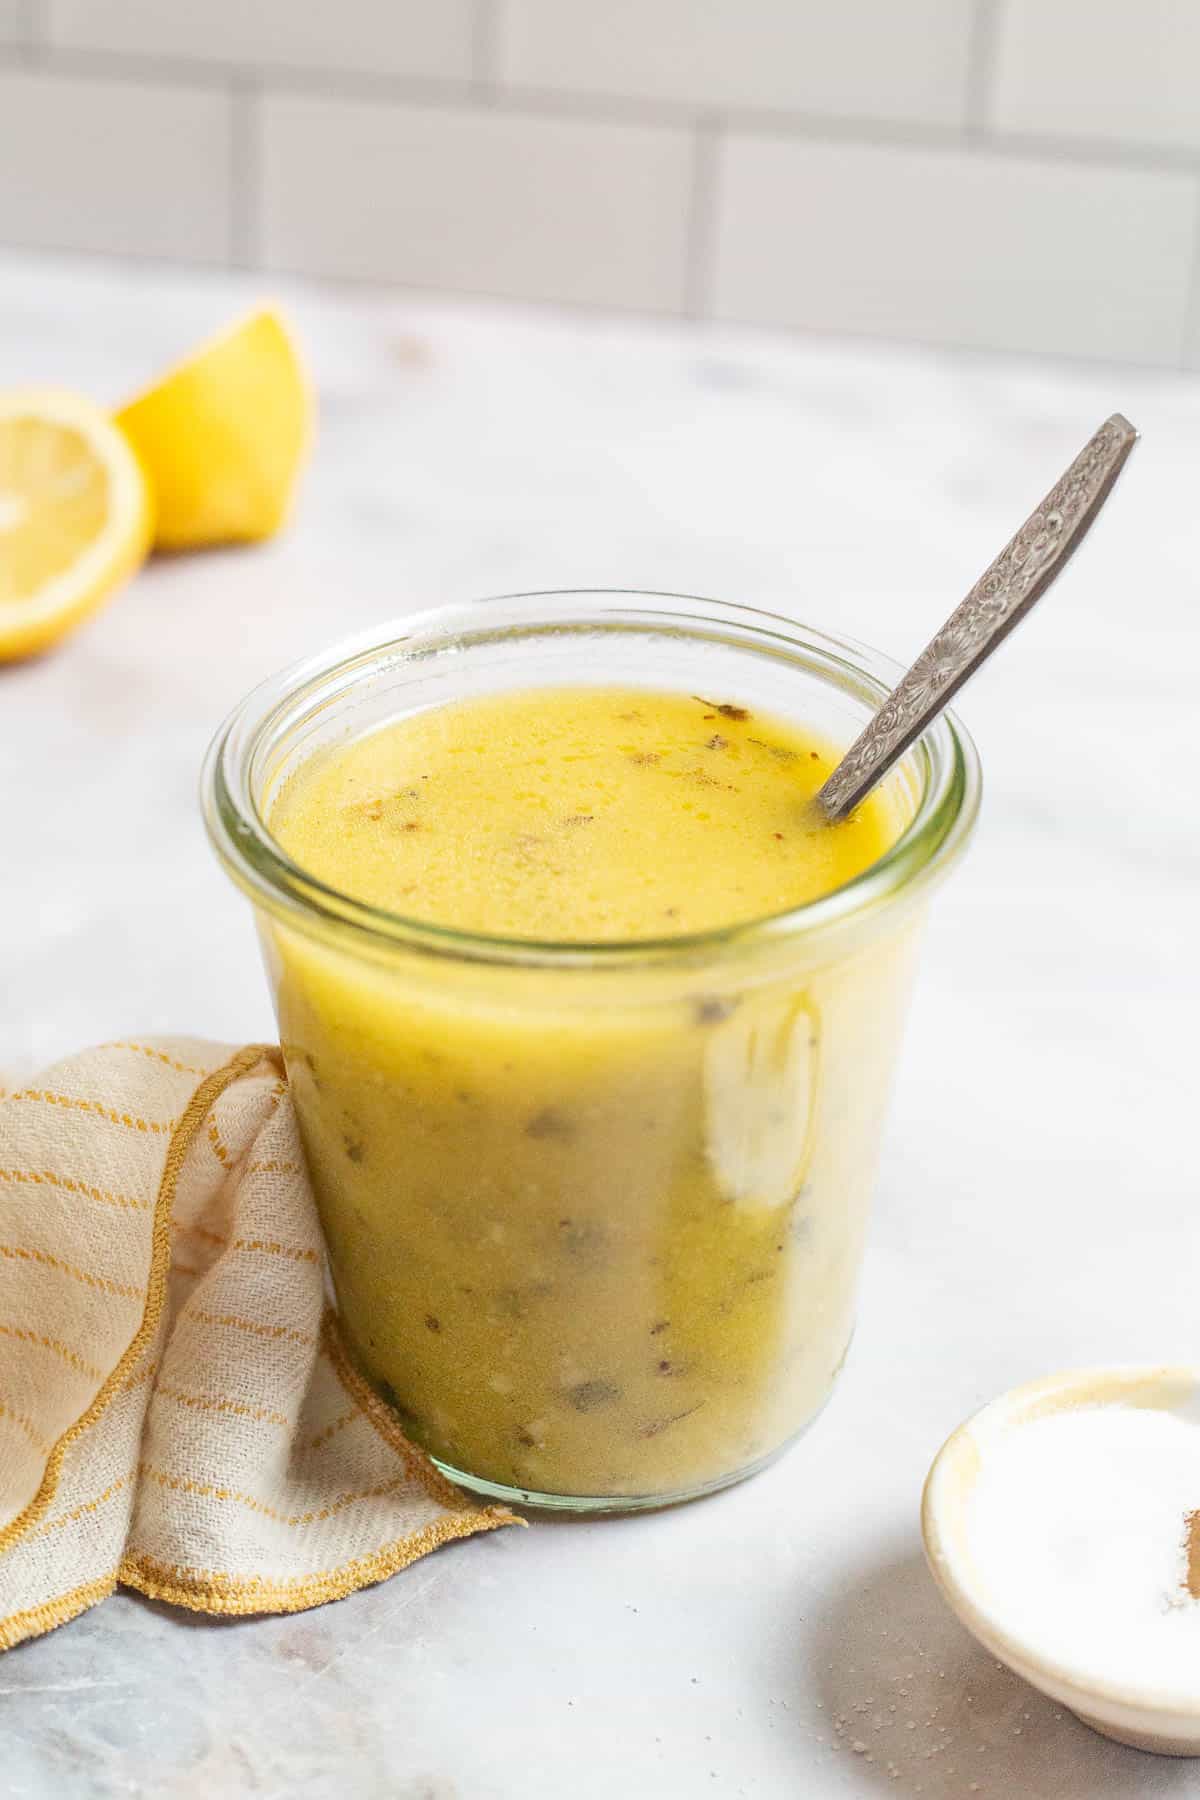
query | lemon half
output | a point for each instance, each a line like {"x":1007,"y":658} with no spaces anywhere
{"x":223,"y":436}
{"x":75,"y":515}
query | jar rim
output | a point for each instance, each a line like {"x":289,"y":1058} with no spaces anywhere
{"x":946,"y":757}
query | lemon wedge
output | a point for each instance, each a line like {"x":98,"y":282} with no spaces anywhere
{"x":75,"y":516}
{"x":223,"y":436}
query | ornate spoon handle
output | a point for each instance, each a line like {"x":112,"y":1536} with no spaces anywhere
{"x":1000,"y":598}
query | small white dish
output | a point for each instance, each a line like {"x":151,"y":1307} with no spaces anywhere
{"x":1148,"y":1716}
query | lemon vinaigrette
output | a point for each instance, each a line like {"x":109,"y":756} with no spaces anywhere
{"x":589,"y":1021}
{"x":580,"y":814}
{"x":581,"y":1261}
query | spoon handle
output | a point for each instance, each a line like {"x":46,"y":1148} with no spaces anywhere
{"x":1000,"y":598}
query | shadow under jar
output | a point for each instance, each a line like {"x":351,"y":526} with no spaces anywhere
{"x":595,"y":1212}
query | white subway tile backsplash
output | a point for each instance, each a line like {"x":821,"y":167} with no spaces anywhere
{"x":1023,"y":174}
{"x":139,"y":169}
{"x":14,"y":24}
{"x":1117,"y":70}
{"x":948,"y":245}
{"x":386,"y":37}
{"x":880,"y":59}
{"x":520,"y":205}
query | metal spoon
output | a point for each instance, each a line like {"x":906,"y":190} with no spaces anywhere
{"x":1000,"y":598}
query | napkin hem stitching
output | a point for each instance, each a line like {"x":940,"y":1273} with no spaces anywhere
{"x":209,"y":1591}
{"x":36,"y":1620}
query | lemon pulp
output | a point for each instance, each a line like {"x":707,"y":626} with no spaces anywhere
{"x":75,"y":515}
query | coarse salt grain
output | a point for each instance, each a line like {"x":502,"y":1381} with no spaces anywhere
{"x":1080,"y":1525}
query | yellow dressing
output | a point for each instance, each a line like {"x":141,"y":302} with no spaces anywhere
{"x":595,"y":1234}
{"x":579,"y":813}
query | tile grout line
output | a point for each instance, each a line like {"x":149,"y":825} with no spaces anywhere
{"x":484,"y":39}
{"x":699,"y":233}
{"x":245,"y":169}
{"x":433,"y":91}
{"x":981,"y":65}
{"x":32,"y":42}
{"x":1088,"y":153}
{"x":216,"y":74}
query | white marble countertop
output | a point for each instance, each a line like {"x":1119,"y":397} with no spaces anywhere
{"x":1037,"y":1205}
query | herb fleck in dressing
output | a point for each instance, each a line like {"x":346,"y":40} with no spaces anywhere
{"x":592,"y":1244}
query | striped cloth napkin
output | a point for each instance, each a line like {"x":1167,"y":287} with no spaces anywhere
{"x":177,"y":1412}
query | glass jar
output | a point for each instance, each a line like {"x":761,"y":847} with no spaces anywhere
{"x":595,"y":1212}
